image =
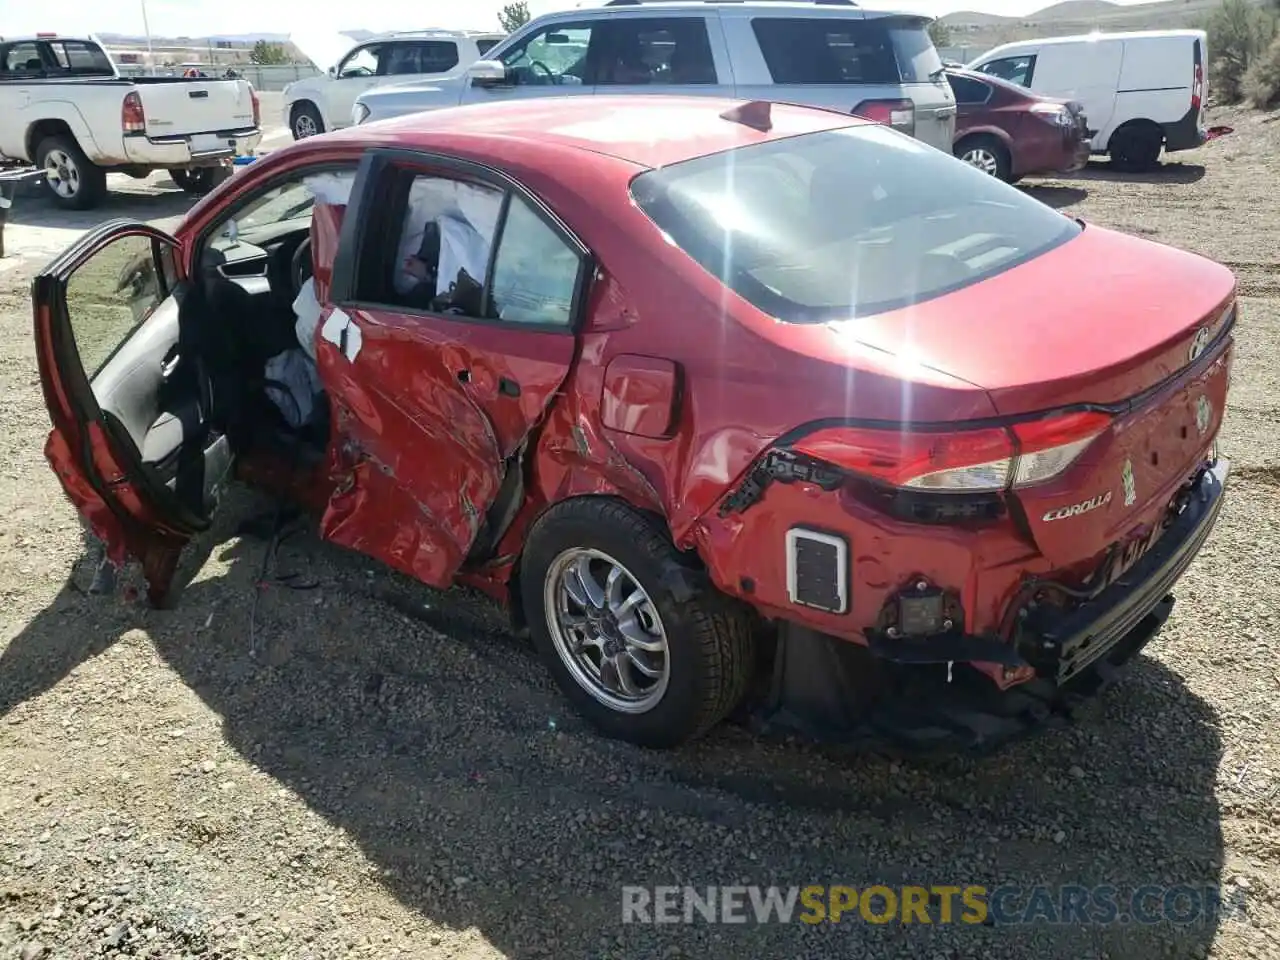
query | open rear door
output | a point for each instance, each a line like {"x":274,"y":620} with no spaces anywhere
{"x":131,"y":441}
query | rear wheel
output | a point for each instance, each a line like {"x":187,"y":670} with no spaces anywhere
{"x":198,"y":181}
{"x":1136,"y":148}
{"x":71,"y":178}
{"x":643,"y":649}
{"x":986,"y":154}
{"x":305,"y":121}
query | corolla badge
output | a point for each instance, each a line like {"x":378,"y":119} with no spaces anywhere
{"x":1130,"y":486}
{"x":1204,"y":413}
{"x":1077,"y":509}
{"x":1199,"y":344}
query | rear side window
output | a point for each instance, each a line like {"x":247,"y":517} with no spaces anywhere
{"x":437,"y":56}
{"x":826,"y":50}
{"x":434,"y":56}
{"x":467,"y":250}
{"x":967,"y":90}
{"x":673,"y":50}
{"x":21,"y":59}
{"x":1017,"y":70}
{"x":484,"y":46}
{"x":82,"y":59}
{"x":845,"y":223}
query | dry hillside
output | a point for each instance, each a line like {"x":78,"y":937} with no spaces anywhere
{"x":982,"y":31}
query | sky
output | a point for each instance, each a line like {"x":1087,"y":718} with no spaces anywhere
{"x":193,"y":19}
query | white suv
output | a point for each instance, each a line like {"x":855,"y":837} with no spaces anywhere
{"x":826,"y":53}
{"x":323,"y":103}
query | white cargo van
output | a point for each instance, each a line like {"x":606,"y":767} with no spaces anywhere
{"x":1142,"y":92}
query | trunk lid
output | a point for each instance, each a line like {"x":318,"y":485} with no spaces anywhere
{"x":190,"y":108}
{"x":1097,"y":320}
{"x":1116,"y":494}
{"x":1106,"y":320}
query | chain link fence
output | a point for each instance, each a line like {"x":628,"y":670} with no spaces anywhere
{"x":273,"y":77}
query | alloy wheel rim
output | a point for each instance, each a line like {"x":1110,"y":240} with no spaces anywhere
{"x":983,"y":159}
{"x":304,"y":126}
{"x":61,"y":173}
{"x":607,"y":631}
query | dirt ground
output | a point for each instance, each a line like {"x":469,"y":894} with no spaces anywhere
{"x":372,"y":769}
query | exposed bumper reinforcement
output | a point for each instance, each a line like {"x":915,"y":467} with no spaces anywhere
{"x":831,"y":690}
{"x":1089,"y":631}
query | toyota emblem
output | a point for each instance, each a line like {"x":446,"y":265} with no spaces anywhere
{"x":1199,"y":344}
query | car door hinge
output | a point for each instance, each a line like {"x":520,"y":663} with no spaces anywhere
{"x":782,"y":466}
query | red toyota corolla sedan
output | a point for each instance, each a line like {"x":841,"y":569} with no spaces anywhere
{"x":733,"y":404}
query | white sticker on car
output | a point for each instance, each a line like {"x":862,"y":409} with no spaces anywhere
{"x":334,"y":324}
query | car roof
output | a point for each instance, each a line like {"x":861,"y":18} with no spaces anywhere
{"x":1081,"y":38}
{"x":818,"y":8}
{"x":433,"y":33}
{"x":649,"y":131}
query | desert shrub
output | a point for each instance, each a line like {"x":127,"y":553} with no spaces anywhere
{"x":1239,"y":33}
{"x":1262,"y":80}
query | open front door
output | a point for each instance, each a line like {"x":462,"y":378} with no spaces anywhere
{"x":131,"y":442}
{"x":456,"y":296}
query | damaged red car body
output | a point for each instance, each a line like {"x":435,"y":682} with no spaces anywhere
{"x":738,"y":405}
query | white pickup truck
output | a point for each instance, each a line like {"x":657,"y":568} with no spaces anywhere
{"x":65,"y":108}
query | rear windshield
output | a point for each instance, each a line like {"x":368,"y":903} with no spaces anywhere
{"x":82,"y":59}
{"x":883,"y":50}
{"x":845,"y":223}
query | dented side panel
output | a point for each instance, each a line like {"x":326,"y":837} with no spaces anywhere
{"x":414,"y":461}
{"x":427,"y":412}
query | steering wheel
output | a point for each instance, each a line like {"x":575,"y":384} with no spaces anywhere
{"x":546,"y":71}
{"x":300,"y":266}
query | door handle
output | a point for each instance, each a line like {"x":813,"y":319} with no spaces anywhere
{"x":506,"y":386}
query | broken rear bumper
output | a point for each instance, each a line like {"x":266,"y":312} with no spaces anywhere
{"x":828,"y":689}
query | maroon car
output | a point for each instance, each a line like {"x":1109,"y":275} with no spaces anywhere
{"x":1010,"y":132}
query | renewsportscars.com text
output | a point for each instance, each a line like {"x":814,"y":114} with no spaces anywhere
{"x":936,"y":904}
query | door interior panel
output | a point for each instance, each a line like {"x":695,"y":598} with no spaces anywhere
{"x":174,"y":411}
{"x":151,"y":401}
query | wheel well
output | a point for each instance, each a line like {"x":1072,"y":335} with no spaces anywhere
{"x":1134,"y":126}
{"x":984,"y":136}
{"x":45,"y":128}
{"x":515,"y":596}
{"x":302,"y":105}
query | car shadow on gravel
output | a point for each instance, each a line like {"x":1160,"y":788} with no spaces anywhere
{"x":1167,"y":172}
{"x":415,"y":723}
{"x":1055,"y":195}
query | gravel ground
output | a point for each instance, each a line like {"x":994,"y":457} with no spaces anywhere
{"x":369,"y":768}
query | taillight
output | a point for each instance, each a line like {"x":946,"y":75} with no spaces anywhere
{"x":1197,"y":88}
{"x":1055,"y":113}
{"x":257,"y":106}
{"x":963,"y":461}
{"x":132,"y":117}
{"x":899,"y":114}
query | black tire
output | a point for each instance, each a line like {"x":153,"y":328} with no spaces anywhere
{"x":994,"y":153}
{"x":710,"y":643}
{"x":79,"y":185}
{"x":303,"y":118}
{"x":198,"y":181}
{"x":1136,"y":149}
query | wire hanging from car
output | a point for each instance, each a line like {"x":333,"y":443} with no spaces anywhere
{"x":279,"y":534}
